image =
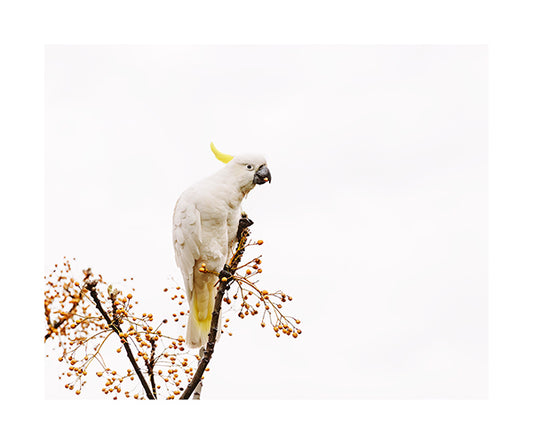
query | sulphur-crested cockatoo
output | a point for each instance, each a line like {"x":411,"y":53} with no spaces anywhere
{"x":206,"y":219}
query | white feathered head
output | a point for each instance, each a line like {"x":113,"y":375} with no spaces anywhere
{"x":252,"y":168}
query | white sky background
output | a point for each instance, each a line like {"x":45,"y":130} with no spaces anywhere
{"x":375,"y":222}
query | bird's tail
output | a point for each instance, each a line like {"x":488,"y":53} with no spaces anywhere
{"x":197,"y":331}
{"x":199,"y":323}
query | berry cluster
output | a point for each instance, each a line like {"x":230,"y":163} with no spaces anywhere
{"x":87,"y":319}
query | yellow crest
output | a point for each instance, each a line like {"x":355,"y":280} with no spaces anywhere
{"x":225,"y":158}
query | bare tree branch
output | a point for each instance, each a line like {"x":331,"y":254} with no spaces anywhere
{"x":115,"y":326}
{"x":224,"y":284}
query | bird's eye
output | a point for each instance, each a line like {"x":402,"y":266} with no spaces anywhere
{"x":249,"y":167}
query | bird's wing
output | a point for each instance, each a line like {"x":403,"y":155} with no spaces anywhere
{"x":187,"y":234}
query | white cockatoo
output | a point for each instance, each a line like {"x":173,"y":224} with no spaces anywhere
{"x":206,"y":219}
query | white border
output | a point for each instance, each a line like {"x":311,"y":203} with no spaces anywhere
{"x":26,"y":27}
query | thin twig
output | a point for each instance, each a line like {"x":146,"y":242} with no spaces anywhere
{"x":198,"y":390}
{"x":52,"y":327}
{"x":151,"y":366}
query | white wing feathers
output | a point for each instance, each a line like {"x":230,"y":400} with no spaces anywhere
{"x":205,"y":224}
{"x":187,"y":234}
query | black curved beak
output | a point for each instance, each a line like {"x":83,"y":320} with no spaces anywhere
{"x":262,"y":175}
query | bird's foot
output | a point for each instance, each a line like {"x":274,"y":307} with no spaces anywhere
{"x":225,"y":275}
{"x":244,"y":223}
